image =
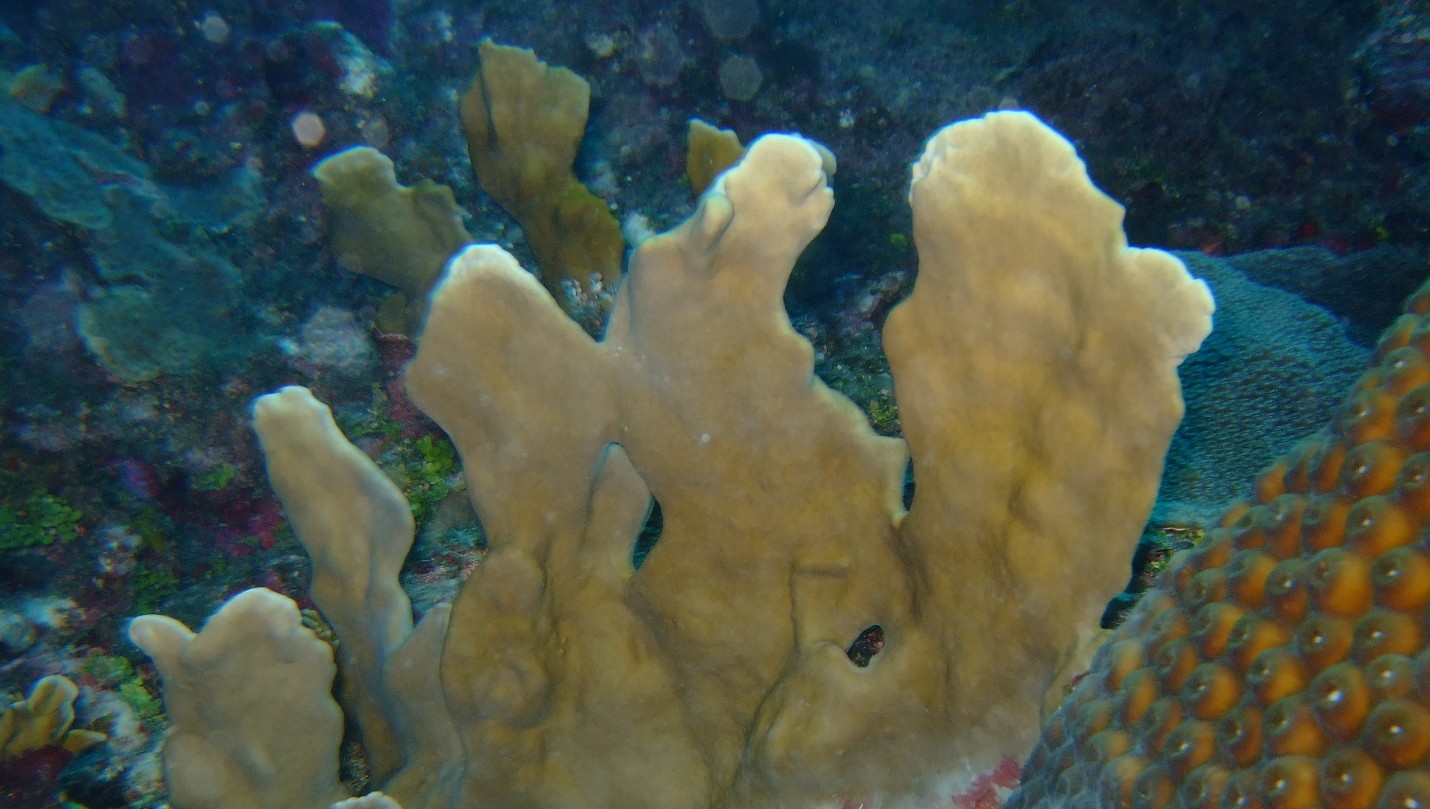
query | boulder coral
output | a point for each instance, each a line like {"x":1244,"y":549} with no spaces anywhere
{"x":1284,"y":662}
{"x":800,"y":634}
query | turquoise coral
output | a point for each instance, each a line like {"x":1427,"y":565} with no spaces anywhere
{"x":167,"y":297}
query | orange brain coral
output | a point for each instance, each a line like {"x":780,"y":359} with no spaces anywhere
{"x":1284,"y":662}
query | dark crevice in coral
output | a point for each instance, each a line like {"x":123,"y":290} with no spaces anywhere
{"x":909,"y":484}
{"x":649,"y":535}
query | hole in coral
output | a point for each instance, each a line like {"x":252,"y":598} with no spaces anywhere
{"x":649,"y":535}
{"x":909,"y":485}
{"x":869,"y":643}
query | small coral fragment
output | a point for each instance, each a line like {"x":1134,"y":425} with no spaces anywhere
{"x":709,"y":151}
{"x":44,"y":719}
{"x":524,"y":122}
{"x":400,"y":235}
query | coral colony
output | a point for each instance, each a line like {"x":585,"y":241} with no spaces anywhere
{"x":790,"y":580}
{"x":391,"y":419}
